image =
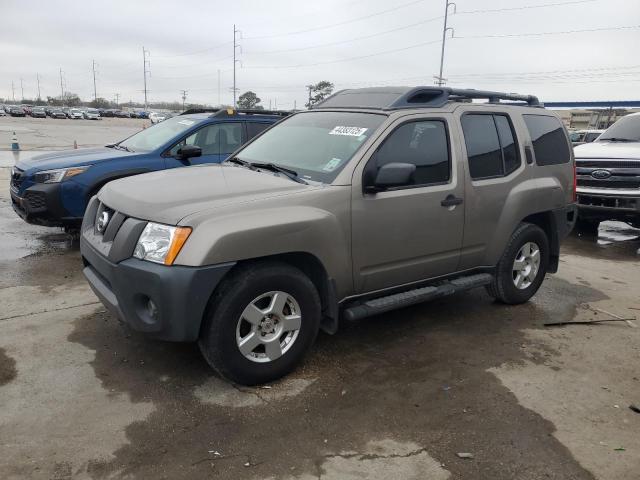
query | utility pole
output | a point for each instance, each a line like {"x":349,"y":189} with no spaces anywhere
{"x":38,"y":82}
{"x":13,"y":91}
{"x":95,"y":90}
{"x":145,"y":64}
{"x":309,"y":87}
{"x":184,"y":97}
{"x":235,"y":61}
{"x":219,"y":98}
{"x":22,"y":89}
{"x":61,"y":88}
{"x":439,"y":79}
{"x":117,"y":95}
{"x":294,"y":106}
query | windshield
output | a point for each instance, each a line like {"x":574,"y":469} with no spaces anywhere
{"x":317,"y":145}
{"x":627,"y":128}
{"x":158,"y":135}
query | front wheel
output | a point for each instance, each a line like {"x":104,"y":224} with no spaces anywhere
{"x":523,"y":265}
{"x":261,"y":322}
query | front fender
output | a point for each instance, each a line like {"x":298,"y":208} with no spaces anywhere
{"x":271,"y":231}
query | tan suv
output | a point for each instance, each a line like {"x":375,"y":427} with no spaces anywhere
{"x":375,"y":199}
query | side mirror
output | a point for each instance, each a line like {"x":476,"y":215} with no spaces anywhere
{"x":188,"y":151}
{"x":392,"y":175}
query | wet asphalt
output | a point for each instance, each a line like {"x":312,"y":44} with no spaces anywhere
{"x":400,"y":394}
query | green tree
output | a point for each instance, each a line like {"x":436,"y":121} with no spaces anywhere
{"x":319,"y":92}
{"x":248,"y":100}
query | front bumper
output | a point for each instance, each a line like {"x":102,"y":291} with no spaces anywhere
{"x":127,"y":286}
{"x":609,"y":204}
{"x":41,"y":204}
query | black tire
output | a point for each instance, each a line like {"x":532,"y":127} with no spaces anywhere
{"x":218,"y":336}
{"x":587,"y":226}
{"x":503,"y":287}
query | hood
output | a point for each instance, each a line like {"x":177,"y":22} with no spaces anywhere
{"x":170,"y":195}
{"x":71,"y":158}
{"x":605,"y":149}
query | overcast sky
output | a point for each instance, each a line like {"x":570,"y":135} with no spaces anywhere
{"x":286,"y":45}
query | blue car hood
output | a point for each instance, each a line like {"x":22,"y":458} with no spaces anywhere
{"x":72,"y":158}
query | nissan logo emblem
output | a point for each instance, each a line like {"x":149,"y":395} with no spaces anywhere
{"x":601,"y":174}
{"x":102,"y":222}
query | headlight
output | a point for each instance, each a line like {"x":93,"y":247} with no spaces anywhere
{"x":161,"y":243}
{"x":56,"y":176}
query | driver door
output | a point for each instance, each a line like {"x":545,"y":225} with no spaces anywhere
{"x":216,"y":140}
{"x":406,"y":234}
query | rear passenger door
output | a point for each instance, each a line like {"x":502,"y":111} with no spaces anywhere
{"x":217,"y":141}
{"x":494,"y":163}
{"x":405,"y":234}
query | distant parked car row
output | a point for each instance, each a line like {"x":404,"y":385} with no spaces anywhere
{"x":88,"y":113}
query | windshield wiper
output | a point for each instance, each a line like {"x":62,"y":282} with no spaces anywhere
{"x":239,"y":161}
{"x":292,"y":174}
{"x":616,"y":139}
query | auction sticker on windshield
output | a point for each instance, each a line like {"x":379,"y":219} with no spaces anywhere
{"x":349,"y":131}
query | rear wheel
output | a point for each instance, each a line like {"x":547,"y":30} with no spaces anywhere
{"x":261,"y":322}
{"x":523,"y":265}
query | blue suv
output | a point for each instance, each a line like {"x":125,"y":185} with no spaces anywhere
{"x":54,"y":189}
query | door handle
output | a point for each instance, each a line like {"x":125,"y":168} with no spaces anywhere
{"x":451,"y":201}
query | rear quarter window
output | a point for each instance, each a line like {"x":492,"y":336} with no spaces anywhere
{"x":550,"y":144}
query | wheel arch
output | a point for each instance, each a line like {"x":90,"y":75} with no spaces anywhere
{"x":546,"y":221}
{"x":313,"y":268}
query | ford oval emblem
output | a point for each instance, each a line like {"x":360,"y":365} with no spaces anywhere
{"x":601,"y":174}
{"x":101,"y":223}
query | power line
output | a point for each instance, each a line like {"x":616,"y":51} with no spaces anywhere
{"x":197,"y":52}
{"x":539,"y":34}
{"x":332,"y":25}
{"x":524,"y":7}
{"x":340,"y":42}
{"x":395,"y":50}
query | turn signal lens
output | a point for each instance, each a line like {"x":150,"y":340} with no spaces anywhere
{"x":179,"y":237}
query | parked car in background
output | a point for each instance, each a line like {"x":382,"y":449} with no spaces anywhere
{"x":53,"y":189}
{"x":75,"y":114}
{"x":157,"y":117}
{"x":2,"y":112}
{"x":373,"y":200}
{"x":608,"y":176}
{"x":110,"y":112}
{"x":27,"y":108}
{"x":38,"y":112}
{"x":17,"y":111}
{"x":121,"y":114}
{"x":92,"y":114}
{"x":57,"y":113}
{"x":578,"y":137}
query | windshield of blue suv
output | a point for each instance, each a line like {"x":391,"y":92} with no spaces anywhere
{"x":627,"y":129}
{"x":158,"y":135}
{"x":316,"y":145}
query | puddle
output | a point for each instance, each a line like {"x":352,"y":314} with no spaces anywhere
{"x":615,"y":240}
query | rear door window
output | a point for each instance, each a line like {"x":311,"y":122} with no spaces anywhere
{"x":549,"y":140}
{"x":492,"y":149}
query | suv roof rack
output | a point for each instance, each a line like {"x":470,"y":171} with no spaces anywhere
{"x":395,"y":98}
{"x":230,"y":112}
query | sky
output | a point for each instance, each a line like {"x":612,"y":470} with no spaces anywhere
{"x":558,"y":50}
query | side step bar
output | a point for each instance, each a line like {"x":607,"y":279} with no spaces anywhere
{"x":411,"y":297}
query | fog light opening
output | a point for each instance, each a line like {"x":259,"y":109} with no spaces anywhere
{"x":152,"y":309}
